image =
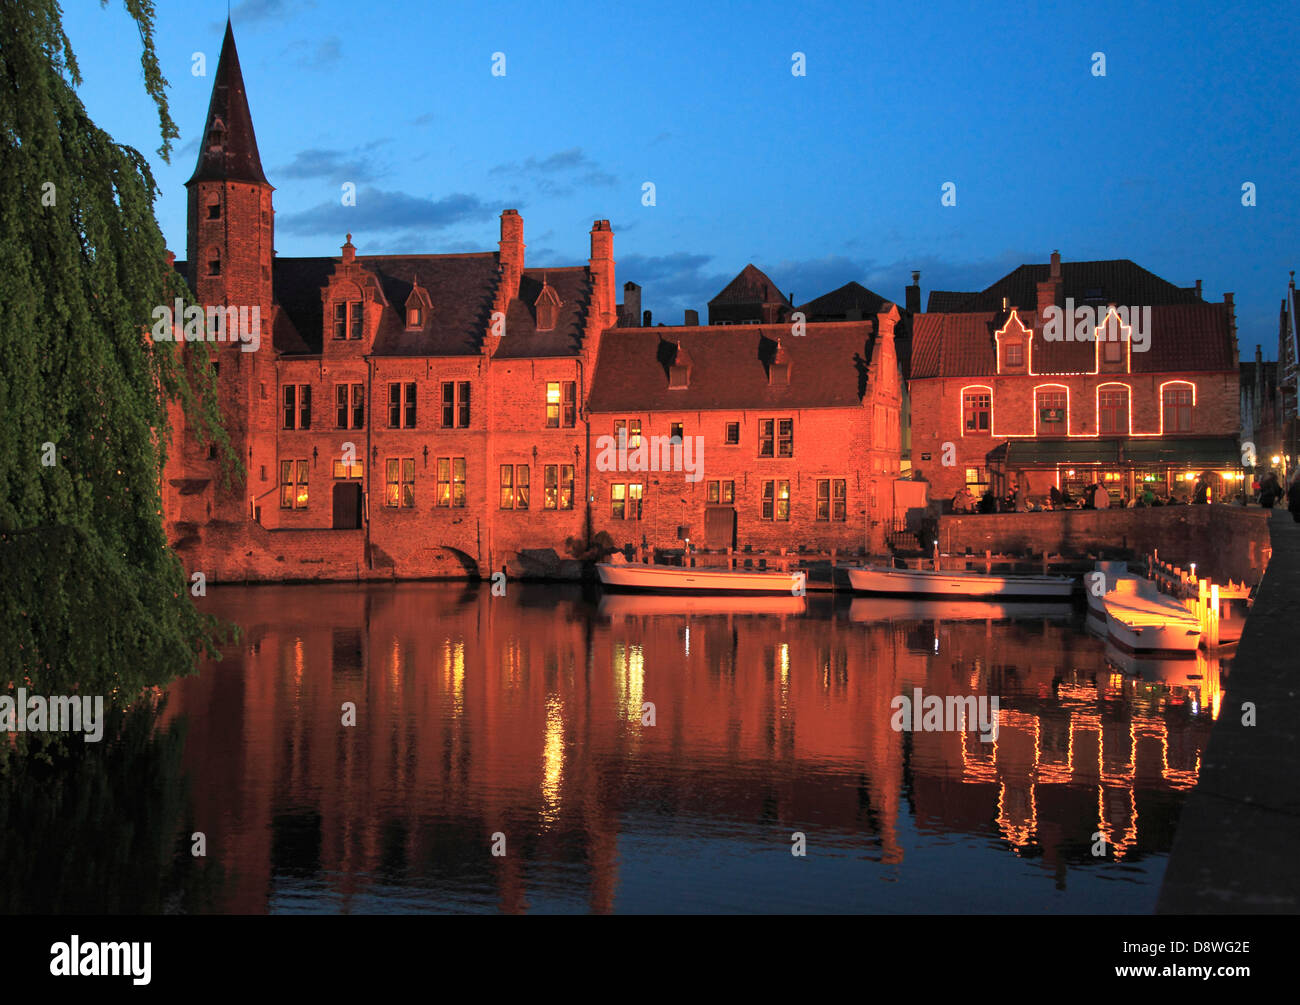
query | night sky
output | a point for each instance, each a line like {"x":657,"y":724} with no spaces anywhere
{"x":817,"y":179}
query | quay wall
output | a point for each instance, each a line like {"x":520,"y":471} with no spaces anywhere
{"x":1225,"y":542}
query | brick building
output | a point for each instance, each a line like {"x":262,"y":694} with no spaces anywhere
{"x":785,"y":440}
{"x":425,"y":415}
{"x":1004,"y":391}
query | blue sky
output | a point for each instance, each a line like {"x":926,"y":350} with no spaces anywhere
{"x":818,"y":180}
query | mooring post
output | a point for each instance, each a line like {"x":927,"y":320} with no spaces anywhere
{"x":1213,"y":627}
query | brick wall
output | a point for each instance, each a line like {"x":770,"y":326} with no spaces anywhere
{"x":937,"y":417}
{"x":1225,"y":542}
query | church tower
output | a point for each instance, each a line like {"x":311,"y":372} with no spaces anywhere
{"x":230,"y":240}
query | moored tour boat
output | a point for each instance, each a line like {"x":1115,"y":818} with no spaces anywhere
{"x":678,"y":579}
{"x":975,"y":585}
{"x":1137,"y":615}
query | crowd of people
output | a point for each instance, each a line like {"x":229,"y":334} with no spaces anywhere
{"x":1267,"y":490}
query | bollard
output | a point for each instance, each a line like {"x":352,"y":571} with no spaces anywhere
{"x":1212,"y":629}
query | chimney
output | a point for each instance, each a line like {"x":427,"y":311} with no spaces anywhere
{"x":1049,"y":290}
{"x":1259,"y":354}
{"x":349,"y":252}
{"x":512,"y":253}
{"x":632,"y":303}
{"x":913,"y":300}
{"x":1198,"y":289}
{"x":645,"y":319}
{"x":1232,"y":324}
{"x":603,"y":302}
{"x":693,"y":319}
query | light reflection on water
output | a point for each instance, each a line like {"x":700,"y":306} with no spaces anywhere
{"x":523,"y":716}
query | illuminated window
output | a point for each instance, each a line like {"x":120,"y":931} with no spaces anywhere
{"x":675,"y":432}
{"x":976,"y":409}
{"x":514,"y":486}
{"x":776,"y":500}
{"x":414,"y":318}
{"x":561,"y":404}
{"x":343,"y":469}
{"x":557,"y":486}
{"x":1112,"y":408}
{"x":400,"y":482}
{"x":451,"y":482}
{"x":1178,"y":410}
{"x":293,"y":484}
{"x":723,"y":492}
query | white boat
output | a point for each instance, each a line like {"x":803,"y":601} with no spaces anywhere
{"x":614,"y":605}
{"x":976,"y":585}
{"x":1138,"y":617}
{"x":677,"y":579}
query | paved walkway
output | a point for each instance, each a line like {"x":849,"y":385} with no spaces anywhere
{"x":1237,"y":845}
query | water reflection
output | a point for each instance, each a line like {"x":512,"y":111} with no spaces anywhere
{"x":523,"y":716}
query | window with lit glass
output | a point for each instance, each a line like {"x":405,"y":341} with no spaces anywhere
{"x":399,"y":479}
{"x":293,"y":484}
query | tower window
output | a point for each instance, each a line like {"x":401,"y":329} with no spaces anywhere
{"x":214,"y":208}
{"x":214,"y":261}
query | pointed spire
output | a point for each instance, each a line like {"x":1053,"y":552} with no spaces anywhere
{"x":228,"y":148}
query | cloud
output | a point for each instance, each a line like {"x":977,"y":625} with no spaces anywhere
{"x":684,"y":280}
{"x":383,"y":211}
{"x":560,"y":174}
{"x":315,"y":55}
{"x":337,"y":165}
{"x":422,"y":120}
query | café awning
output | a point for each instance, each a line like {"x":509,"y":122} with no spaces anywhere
{"x":1216,"y":452}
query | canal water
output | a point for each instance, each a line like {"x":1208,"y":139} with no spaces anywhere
{"x":632,"y":754}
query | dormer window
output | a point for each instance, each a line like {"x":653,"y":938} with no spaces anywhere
{"x":347,"y":319}
{"x":547,"y":306}
{"x":417,"y":305}
{"x":1013,"y":355}
{"x":217,"y":135}
{"x":778,"y":371}
{"x":679,"y":371}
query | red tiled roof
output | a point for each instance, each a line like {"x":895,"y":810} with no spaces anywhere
{"x":1184,"y":337}
{"x":522,"y":339}
{"x":729,"y":367}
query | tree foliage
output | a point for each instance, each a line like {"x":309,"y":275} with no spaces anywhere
{"x":91,"y":596}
